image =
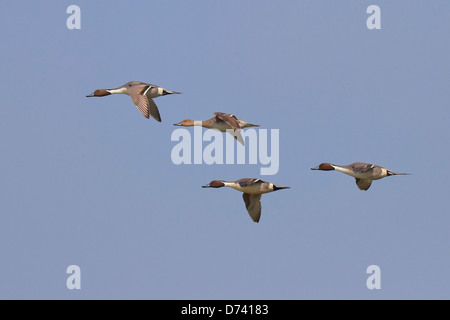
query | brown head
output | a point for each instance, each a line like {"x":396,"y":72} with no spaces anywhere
{"x":214,"y":184}
{"x":324,"y":167}
{"x":185,"y":123}
{"x":99,"y":93}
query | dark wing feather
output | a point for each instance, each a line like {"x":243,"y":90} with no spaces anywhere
{"x":253,"y":205}
{"x":228,"y":119}
{"x":246,"y":182}
{"x":140,"y":100}
{"x":363,"y":167}
{"x":363,"y":184}
{"x":154,"y":112}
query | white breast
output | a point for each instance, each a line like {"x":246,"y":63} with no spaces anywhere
{"x":119,"y":90}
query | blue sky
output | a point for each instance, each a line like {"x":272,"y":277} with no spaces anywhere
{"x":90,"y":182}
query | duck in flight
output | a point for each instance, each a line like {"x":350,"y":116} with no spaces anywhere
{"x":142,"y":95}
{"x":252,"y":190}
{"x":223,"y":122}
{"x":364,"y":173}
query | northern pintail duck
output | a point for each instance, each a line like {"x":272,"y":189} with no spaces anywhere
{"x":364,"y":173}
{"x":142,"y":95}
{"x":221,"y":122}
{"x":252,"y":190}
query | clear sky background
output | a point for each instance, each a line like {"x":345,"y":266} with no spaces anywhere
{"x":90,"y":182}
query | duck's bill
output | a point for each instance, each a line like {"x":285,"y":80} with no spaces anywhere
{"x":206,"y":186}
{"x":90,"y":95}
{"x":315,"y":168}
{"x":178,"y":124}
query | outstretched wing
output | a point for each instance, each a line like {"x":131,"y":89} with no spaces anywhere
{"x":253,"y":205}
{"x":140,"y":100}
{"x":363,"y":167}
{"x":236,"y":133}
{"x":154,"y":112}
{"x":246,"y":182}
{"x":229,"y":119}
{"x":363,"y":184}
